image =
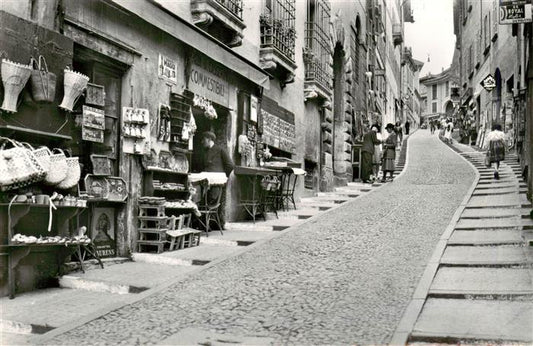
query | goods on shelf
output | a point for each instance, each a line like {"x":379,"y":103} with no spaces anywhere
{"x":24,"y":239}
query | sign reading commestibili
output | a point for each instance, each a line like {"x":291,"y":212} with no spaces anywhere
{"x":489,"y":83}
{"x":515,"y":11}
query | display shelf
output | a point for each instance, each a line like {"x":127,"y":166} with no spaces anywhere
{"x":163,"y":170}
{"x":16,"y":132}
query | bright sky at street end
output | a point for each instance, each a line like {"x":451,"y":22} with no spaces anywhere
{"x":431,"y":34}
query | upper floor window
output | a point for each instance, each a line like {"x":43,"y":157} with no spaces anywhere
{"x":486,"y":31}
{"x":434,"y":107}
{"x":447,"y":90}
{"x":434,"y":91}
{"x":277,"y":26}
{"x":317,"y":47}
{"x":355,"y":53}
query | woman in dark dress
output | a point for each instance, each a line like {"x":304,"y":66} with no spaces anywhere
{"x":389,"y":153}
{"x":496,"y":151}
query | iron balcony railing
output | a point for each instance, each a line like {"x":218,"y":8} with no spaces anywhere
{"x":277,"y":28}
{"x":234,"y":6}
{"x":317,"y":55}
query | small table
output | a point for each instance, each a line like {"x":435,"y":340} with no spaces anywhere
{"x":253,"y":204}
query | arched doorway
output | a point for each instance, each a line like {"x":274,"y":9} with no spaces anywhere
{"x":448,"y":109}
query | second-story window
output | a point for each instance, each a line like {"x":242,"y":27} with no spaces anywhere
{"x":277,"y":26}
{"x":317,"y":42}
{"x":434,"y":91}
{"x":355,"y":53}
{"x":447,"y":91}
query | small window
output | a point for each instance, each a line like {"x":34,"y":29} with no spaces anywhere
{"x":434,"y":107}
{"x":434,"y":91}
{"x":447,"y":90}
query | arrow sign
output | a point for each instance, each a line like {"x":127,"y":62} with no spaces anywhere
{"x":489,"y":83}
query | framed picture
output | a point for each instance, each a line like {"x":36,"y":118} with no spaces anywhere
{"x":93,"y":118}
{"x":101,"y":165}
{"x":118,"y":190}
{"x":95,"y":95}
{"x":96,"y":187}
{"x":103,"y":231}
{"x":92,"y":135}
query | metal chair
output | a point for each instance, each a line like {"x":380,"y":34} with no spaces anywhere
{"x":209,"y":207}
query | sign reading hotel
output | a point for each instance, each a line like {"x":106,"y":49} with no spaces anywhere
{"x":168,"y":69}
{"x":515,"y":11}
{"x":209,"y":82}
{"x":489,"y":83}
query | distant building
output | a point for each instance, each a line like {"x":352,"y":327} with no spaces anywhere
{"x":436,"y":91}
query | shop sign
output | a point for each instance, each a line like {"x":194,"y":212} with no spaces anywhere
{"x":93,"y":124}
{"x":208,"y":81}
{"x":516,"y":11}
{"x":103,"y":231}
{"x":489,"y":83}
{"x":168,"y":69}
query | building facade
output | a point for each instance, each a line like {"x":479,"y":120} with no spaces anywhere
{"x":437,"y":90}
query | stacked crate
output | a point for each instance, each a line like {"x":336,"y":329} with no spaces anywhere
{"x":152,"y":228}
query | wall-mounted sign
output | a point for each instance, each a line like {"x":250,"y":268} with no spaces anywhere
{"x":93,"y":124}
{"x":489,"y":83}
{"x":515,"y":11}
{"x":278,"y":126}
{"x":168,"y":69}
{"x":253,"y":108}
{"x":207,"y":79}
{"x":103,"y":231}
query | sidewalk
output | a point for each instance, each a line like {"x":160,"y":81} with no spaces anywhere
{"x":478,"y":287}
{"x":37,"y":316}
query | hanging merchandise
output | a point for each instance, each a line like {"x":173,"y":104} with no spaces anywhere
{"x":14,"y":78}
{"x":75,"y":83}
{"x":203,"y":103}
{"x":18,"y":166}
{"x":58,"y":161}
{"x":93,"y":124}
{"x":164,"y":123}
{"x":192,"y":123}
{"x":73,"y":174}
{"x":43,"y":82}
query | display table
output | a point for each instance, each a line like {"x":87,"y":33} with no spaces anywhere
{"x":253,"y":201}
{"x":11,"y":217}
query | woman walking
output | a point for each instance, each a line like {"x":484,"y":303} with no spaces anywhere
{"x":378,"y":152}
{"x":448,"y":131}
{"x":496,"y":150}
{"x":389,"y":153}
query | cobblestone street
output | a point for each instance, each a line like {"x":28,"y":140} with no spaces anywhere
{"x":342,"y":279}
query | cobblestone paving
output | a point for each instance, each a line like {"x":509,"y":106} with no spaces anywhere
{"x":343,"y":279}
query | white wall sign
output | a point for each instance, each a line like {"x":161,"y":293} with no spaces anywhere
{"x":168,"y":69}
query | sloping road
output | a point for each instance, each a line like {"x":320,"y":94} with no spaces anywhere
{"x":343,"y":278}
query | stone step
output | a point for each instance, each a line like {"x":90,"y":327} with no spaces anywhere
{"x":501,"y":191}
{"x":494,"y":201}
{"x":333,"y":198}
{"x":483,"y":255}
{"x":486,"y":237}
{"x":496,"y":186}
{"x":492,"y":223}
{"x":280,"y":225}
{"x":481,"y":213}
{"x":477,"y":281}
{"x":464,"y":319}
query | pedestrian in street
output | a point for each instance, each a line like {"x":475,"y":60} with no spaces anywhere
{"x":448,"y":131}
{"x":399,"y":133}
{"x":378,"y":152}
{"x":407,"y":127}
{"x":496,"y":149}
{"x":215,"y":159}
{"x":389,"y":152}
{"x":432,"y":126}
{"x":367,"y":151}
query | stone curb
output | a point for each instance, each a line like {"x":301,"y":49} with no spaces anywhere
{"x":43,"y":338}
{"x":414,"y":308}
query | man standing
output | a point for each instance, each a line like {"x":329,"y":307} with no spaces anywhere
{"x":407,"y":126}
{"x":367,"y":151}
{"x":215,"y":159}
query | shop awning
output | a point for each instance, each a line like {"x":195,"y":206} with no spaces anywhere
{"x":157,"y":15}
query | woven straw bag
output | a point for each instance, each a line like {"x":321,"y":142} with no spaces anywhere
{"x":42,"y":154}
{"x":18,"y":166}
{"x":58,"y":163}
{"x":73,"y":174}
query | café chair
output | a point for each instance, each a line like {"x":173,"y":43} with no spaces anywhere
{"x":209,"y":207}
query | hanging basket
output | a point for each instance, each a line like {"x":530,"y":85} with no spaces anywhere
{"x":58,"y":163}
{"x":74,"y":83}
{"x":14,"y":77}
{"x":73,"y":174}
{"x":43,"y":83}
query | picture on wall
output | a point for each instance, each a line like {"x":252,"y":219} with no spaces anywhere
{"x":103,"y":231}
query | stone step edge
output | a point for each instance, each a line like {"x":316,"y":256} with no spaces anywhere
{"x":74,"y":282}
{"x":21,"y":328}
{"x":447,"y":293}
{"x":437,"y":338}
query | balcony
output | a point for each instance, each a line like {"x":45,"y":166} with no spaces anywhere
{"x":397,"y":34}
{"x":317,"y":53}
{"x":276,"y":54}
{"x":220,"y":18}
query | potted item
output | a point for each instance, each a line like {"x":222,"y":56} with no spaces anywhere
{"x":14,"y":78}
{"x":75,"y":83}
{"x":43,"y":82}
